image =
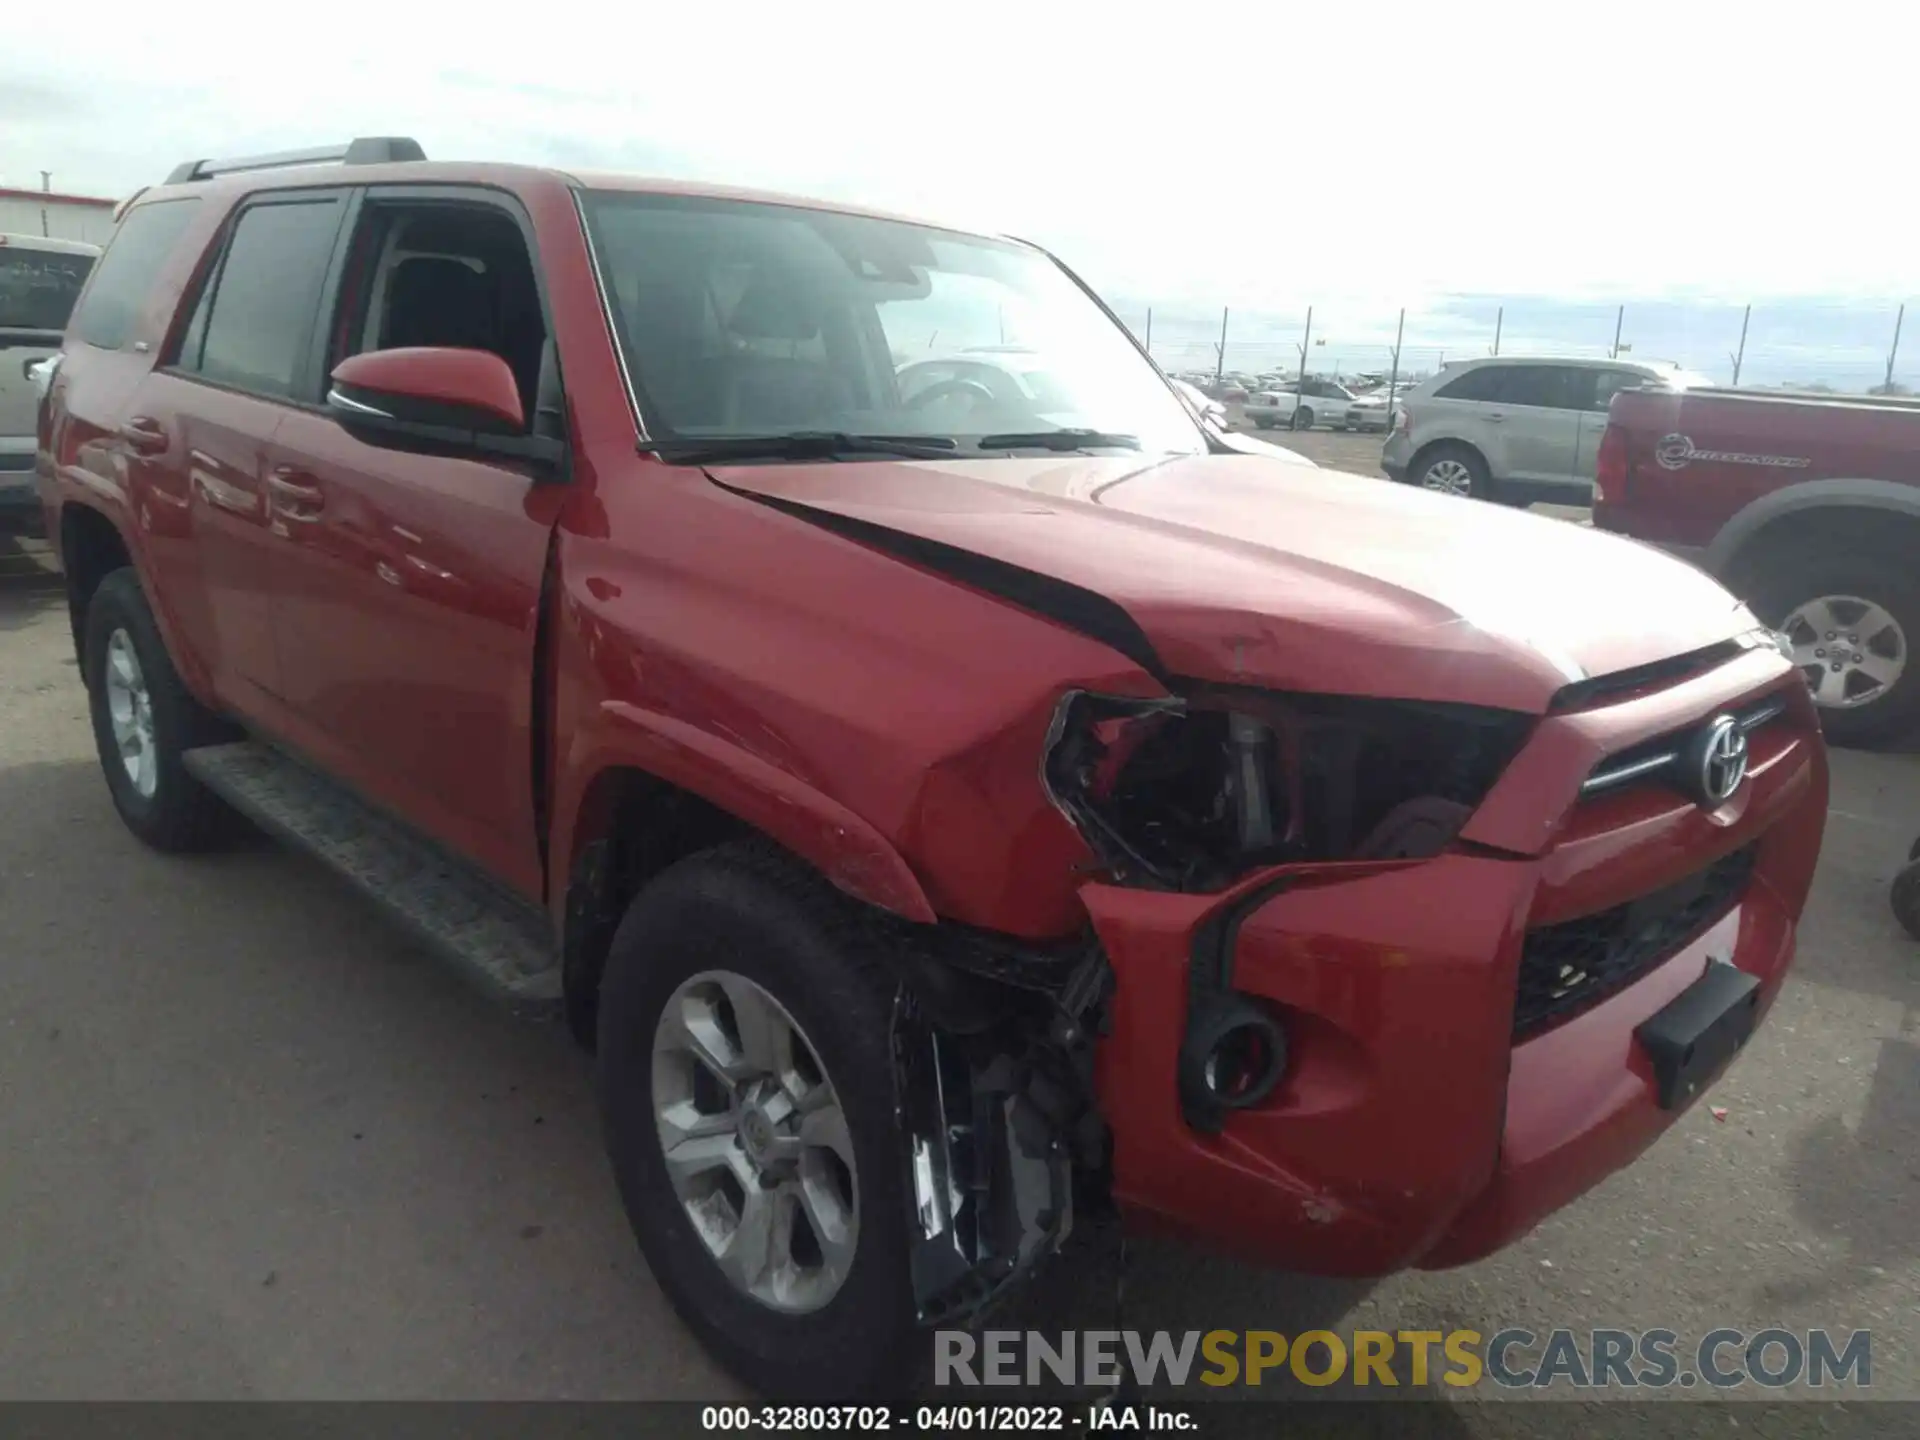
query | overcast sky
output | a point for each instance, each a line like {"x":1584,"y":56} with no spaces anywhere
{"x":1360,"y":155}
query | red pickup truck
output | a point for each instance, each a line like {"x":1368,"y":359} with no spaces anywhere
{"x":945,"y":804}
{"x":1808,"y":506}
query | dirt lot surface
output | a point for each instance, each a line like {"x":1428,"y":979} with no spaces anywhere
{"x":252,"y":1145}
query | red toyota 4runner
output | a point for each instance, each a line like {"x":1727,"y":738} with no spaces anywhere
{"x":947,"y":796}
{"x":1807,"y":504}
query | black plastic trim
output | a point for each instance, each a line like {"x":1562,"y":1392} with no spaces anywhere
{"x":1211,"y":1001}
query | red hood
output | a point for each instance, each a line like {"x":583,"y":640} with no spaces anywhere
{"x":1256,"y":571}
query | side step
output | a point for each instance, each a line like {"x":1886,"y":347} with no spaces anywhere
{"x":497,"y":940}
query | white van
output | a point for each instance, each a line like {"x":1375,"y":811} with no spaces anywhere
{"x":39,"y":281}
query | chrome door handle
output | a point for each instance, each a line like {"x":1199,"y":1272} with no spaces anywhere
{"x":144,"y":435}
{"x":299,"y":498}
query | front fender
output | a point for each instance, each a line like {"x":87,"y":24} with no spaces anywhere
{"x":838,"y":843}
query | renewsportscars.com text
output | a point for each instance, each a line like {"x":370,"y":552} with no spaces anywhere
{"x":1511,"y":1358}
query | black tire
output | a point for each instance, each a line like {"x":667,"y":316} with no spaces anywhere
{"x":1792,"y":581}
{"x":1302,"y":418}
{"x":1263,"y":424}
{"x":1479,"y":482}
{"x":180,"y":814}
{"x":1906,"y":898}
{"x":750,"y":910}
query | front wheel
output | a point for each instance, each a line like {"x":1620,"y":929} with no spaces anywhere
{"x":1853,"y":623}
{"x":747,"y":1091}
{"x":1302,"y":419}
{"x":144,"y":719}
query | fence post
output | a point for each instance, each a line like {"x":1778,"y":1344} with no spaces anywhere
{"x":1894,"y":353}
{"x":1220,"y":353}
{"x":1306,"y":344}
{"x":1741,"y":354}
{"x":1393,"y":373}
{"x":1499,"y":317}
{"x":1149,"y":341}
{"x":1619,"y":319}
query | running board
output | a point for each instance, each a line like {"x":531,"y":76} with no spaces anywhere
{"x":496,"y":940}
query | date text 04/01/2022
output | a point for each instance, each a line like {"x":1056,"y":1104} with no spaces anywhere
{"x":943,"y":1419}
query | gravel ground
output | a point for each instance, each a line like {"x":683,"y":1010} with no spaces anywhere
{"x":253,"y":1146}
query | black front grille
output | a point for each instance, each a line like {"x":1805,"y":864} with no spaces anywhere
{"x":1565,"y":968}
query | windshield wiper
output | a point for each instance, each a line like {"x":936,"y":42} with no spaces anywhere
{"x":1059,"y":440}
{"x":797,"y":445}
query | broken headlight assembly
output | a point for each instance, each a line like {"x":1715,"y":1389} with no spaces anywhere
{"x":1190,"y":792}
{"x":1194,"y":791}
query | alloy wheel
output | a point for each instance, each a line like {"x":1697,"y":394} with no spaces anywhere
{"x":1450,"y":477}
{"x":756,"y":1142}
{"x":1852,"y":650}
{"x":130,"y":709}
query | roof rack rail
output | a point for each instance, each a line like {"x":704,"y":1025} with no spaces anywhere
{"x":367,"y":150}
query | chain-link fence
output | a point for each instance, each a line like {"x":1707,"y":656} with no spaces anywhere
{"x":1845,"y":347}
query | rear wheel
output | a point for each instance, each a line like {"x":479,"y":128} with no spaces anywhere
{"x":144,"y":719}
{"x":1263,"y":424}
{"x":747,"y":1090}
{"x":1453,"y":470}
{"x":1853,"y":622}
{"x":1302,"y":418}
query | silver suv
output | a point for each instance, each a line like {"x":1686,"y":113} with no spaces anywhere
{"x":1513,"y":429}
{"x":39,"y":279}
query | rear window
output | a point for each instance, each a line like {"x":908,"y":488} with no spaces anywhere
{"x":125,"y":274}
{"x":38,"y":287}
{"x":253,"y":323}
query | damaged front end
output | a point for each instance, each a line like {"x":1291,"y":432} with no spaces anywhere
{"x":1211,"y":791}
{"x":993,"y":1057}
{"x":1192,"y":792}
{"x":1221,"y":789}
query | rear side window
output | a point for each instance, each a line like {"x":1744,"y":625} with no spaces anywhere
{"x":125,"y":274}
{"x":1485,"y":383}
{"x":38,"y":287}
{"x":1546,"y":387}
{"x":1607,"y":384}
{"x":253,"y":324}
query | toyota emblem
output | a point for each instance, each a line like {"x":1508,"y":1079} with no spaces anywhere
{"x":1720,"y":761}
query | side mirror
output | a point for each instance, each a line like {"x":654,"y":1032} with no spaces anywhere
{"x":438,"y":389}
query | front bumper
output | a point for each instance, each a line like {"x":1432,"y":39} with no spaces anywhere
{"x":1410,"y":1129}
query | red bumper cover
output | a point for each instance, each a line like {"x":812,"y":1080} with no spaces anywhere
{"x":1410,"y":1129}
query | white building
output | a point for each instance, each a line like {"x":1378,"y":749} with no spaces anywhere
{"x":64,"y":217}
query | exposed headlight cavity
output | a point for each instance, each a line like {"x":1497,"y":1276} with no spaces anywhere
{"x":1192,"y":791}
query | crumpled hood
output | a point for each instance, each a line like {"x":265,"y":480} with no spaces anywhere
{"x":1254,"y":571}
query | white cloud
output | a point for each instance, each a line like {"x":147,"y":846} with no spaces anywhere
{"x":1357,"y":157}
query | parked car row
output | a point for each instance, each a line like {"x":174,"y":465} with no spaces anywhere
{"x":1807,"y":506}
{"x":1301,"y":405}
{"x":1512,"y":428}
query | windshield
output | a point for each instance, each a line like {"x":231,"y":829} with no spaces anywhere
{"x":739,"y":318}
{"x":38,"y":287}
